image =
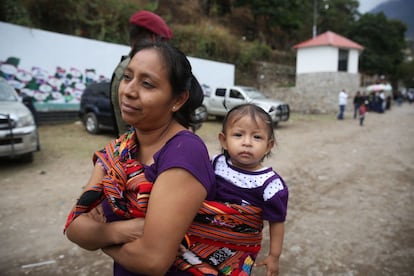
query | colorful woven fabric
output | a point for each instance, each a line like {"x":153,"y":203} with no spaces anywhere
{"x":224,"y":240}
{"x":124,"y":186}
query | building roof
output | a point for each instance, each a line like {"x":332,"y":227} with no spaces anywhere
{"x":329,"y":39}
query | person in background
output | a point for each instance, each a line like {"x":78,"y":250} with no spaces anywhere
{"x":362,"y":111}
{"x":382,"y":103}
{"x":342,"y":100}
{"x":246,"y":138}
{"x":399,"y":98}
{"x":358,"y":100}
{"x":143,"y":25}
{"x":28,"y":102}
{"x":159,"y":169}
{"x":365,"y":99}
{"x":410,"y":96}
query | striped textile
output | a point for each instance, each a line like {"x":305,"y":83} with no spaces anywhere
{"x":124,"y":186}
{"x":224,"y":239}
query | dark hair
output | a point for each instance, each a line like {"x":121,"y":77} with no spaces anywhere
{"x":181,"y":79}
{"x":252,"y":110}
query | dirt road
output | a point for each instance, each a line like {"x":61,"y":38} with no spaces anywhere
{"x":351,"y":207}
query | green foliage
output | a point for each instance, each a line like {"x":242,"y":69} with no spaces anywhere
{"x":206,"y":41}
{"x":278,"y":21}
{"x":406,"y":73}
{"x":384,"y":42}
{"x":268,"y":24}
{"x":14,"y":12}
{"x":212,"y":42}
{"x":98,"y":19}
{"x":336,"y":15}
{"x":252,"y":52}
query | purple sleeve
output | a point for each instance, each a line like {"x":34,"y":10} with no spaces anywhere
{"x":275,"y":209}
{"x":187,"y":151}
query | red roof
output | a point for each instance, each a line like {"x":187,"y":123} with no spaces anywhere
{"x":329,"y":39}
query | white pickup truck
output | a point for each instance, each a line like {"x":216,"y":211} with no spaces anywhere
{"x":220,"y":101}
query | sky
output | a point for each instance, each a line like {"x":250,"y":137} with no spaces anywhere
{"x":367,"y":5}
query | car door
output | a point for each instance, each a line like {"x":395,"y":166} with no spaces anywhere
{"x":216,"y":103}
{"x":234,"y":98}
{"x":104,"y":105}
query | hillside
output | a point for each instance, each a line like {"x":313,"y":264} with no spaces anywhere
{"x":401,"y":10}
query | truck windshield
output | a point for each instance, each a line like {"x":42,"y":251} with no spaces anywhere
{"x":253,"y":93}
{"x":7,"y":93}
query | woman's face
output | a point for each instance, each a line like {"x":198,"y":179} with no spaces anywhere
{"x":145,"y":94}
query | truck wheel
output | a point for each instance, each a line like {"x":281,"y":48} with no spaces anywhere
{"x":219,"y":118}
{"x":201,"y":113}
{"x":91,"y":123}
{"x":27,"y":157}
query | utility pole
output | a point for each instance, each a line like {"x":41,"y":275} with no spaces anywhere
{"x":314,"y":28}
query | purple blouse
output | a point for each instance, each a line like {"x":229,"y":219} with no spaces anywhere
{"x":187,"y":151}
{"x":263,"y":188}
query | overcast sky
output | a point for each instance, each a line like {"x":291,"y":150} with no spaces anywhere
{"x":367,"y":5}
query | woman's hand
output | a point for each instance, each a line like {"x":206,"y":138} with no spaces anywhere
{"x":122,"y":231}
{"x":92,"y":235}
{"x":127,"y":230}
{"x":97,"y":214}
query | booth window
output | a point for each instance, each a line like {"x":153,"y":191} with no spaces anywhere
{"x":343,"y":60}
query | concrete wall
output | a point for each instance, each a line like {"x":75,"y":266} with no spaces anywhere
{"x":324,"y":59}
{"x":353,"y":61}
{"x":317,"y":59}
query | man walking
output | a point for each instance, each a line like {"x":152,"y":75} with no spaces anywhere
{"x":343,"y":97}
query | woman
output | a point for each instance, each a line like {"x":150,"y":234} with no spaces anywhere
{"x":157,"y":96}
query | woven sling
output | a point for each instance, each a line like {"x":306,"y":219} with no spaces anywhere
{"x":224,"y":239}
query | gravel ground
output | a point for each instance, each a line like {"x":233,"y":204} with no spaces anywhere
{"x":350,"y":208}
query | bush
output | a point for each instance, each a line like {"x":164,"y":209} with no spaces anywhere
{"x":216,"y":43}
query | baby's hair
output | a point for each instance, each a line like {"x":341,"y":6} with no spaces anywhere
{"x":255,"y":112}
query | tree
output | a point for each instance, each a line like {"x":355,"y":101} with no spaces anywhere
{"x":406,"y":71}
{"x":384,"y":43}
{"x":105,"y":20}
{"x":222,"y":7}
{"x":278,"y":22}
{"x":336,"y":15}
{"x":14,"y":12}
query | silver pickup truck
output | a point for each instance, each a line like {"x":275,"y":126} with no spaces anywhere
{"x":223,"y":99}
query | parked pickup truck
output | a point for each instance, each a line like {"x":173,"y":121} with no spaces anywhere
{"x":225,"y":98}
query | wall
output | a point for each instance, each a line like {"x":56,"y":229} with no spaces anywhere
{"x":55,"y":68}
{"x":213,"y":73}
{"x":275,"y":74}
{"x":324,"y":59}
{"x":353,"y":61}
{"x":317,"y":59}
{"x":316,"y":92}
{"x":305,"y":93}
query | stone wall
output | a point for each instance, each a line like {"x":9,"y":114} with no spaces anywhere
{"x":305,"y":93}
{"x":277,"y":74}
